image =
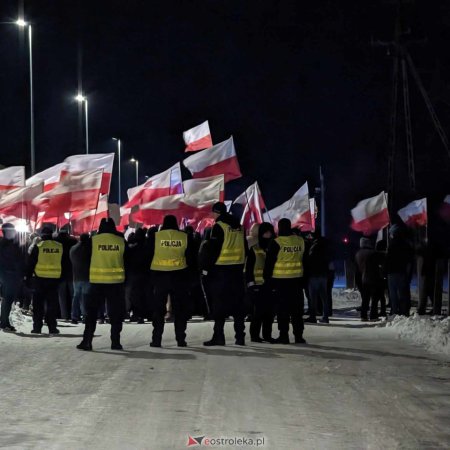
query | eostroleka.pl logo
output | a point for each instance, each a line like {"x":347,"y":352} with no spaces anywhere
{"x":204,"y":441}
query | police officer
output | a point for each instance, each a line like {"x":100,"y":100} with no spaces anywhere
{"x":225,"y":277}
{"x":260,"y":294}
{"x":11,"y":273}
{"x":45,"y":262}
{"x":283,"y":271}
{"x":106,"y":277}
{"x":170,"y":251}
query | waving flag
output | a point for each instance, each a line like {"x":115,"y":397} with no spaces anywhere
{"x":163,"y":184}
{"x":12,"y":178}
{"x":370,"y":215}
{"x":198,"y":138}
{"x":152,"y":213}
{"x":415,"y":213}
{"x":297,"y":209}
{"x":219,"y":159}
{"x":50,"y":177}
{"x":252,"y":201}
{"x":18,"y":202}
{"x":77,"y":191}
{"x":99,"y":161}
{"x":87,"y":221}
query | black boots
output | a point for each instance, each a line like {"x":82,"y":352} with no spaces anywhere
{"x":83,"y":345}
{"x":215,"y":341}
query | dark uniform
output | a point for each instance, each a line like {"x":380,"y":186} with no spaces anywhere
{"x":45,"y":263}
{"x":225,"y":278}
{"x":106,"y":277}
{"x":170,"y":251}
{"x":283,"y":271}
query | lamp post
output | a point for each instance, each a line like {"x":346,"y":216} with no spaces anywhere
{"x":119,"y":158}
{"x":136,"y":162}
{"x":80,"y":98}
{"x":21,"y":23}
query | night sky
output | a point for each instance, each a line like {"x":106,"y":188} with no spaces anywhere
{"x":297,"y":83}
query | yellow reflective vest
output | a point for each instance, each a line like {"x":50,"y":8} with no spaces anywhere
{"x":289,"y":260}
{"x":233,"y":247}
{"x":170,"y":251}
{"x":49,"y":259}
{"x":107,"y":266}
{"x":260,"y":259}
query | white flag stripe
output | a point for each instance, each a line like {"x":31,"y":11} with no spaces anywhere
{"x":196,"y":133}
{"x":12,"y":177}
{"x":216,"y":154}
{"x":77,"y":163}
{"x":369,"y":207}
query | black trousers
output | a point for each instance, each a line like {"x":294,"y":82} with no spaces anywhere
{"x":113,"y":294}
{"x":10,"y":287}
{"x":372,"y":295}
{"x":263,"y":312}
{"x":45,"y":302}
{"x":136,"y":295}
{"x":289,"y":302}
{"x":65,"y":294}
{"x":226,"y":285}
{"x":175,"y":284}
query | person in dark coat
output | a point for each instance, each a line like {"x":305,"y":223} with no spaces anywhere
{"x":65,"y":289}
{"x":11,"y":273}
{"x":399,"y":260}
{"x":318,"y":268}
{"x":137,"y":266}
{"x":80,"y":255}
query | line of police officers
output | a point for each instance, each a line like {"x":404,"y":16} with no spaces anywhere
{"x":272,"y":270}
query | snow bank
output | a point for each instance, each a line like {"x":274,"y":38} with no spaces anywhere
{"x":431,"y":332}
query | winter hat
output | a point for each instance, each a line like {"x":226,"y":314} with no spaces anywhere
{"x":219,"y":208}
{"x":284,"y":227}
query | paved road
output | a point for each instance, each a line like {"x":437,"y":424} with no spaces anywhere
{"x":351,"y":387}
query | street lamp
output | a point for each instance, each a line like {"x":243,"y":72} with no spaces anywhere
{"x":137,"y":169}
{"x":22,"y":24}
{"x":80,"y":98}
{"x":120,"y":170}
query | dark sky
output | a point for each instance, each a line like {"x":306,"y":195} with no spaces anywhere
{"x":297,"y":83}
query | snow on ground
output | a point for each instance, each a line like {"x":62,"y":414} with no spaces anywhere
{"x":353,"y":386}
{"x":431,"y":332}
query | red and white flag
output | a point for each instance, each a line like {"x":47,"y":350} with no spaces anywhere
{"x":252,"y":201}
{"x":198,"y":138}
{"x":297,"y":209}
{"x":50,"y":177}
{"x":99,"y":161}
{"x":124,"y":218}
{"x":12,"y":178}
{"x":415,"y":213}
{"x":87,"y":221}
{"x":152,"y":213}
{"x":19,"y":202}
{"x":445,"y":209}
{"x":219,"y":159}
{"x":370,"y":215}
{"x":163,"y":184}
{"x":77,"y":191}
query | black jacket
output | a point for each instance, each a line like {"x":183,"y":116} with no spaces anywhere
{"x":12,"y":260}
{"x":318,"y":260}
{"x":80,"y":257}
{"x":67,"y":242}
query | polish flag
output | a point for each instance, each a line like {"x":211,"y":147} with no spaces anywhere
{"x":19,"y":202}
{"x":198,"y":138}
{"x":99,"y":161}
{"x":163,"y":184}
{"x":370,"y":215}
{"x":415,"y":213}
{"x":252,"y":201}
{"x":87,"y":221}
{"x":77,"y":191}
{"x":12,"y":178}
{"x":219,"y":159}
{"x":297,"y":209}
{"x":313,"y":209}
{"x":50,"y":177}
{"x":152,"y":213}
{"x":445,"y":209}
{"x":124,"y":218}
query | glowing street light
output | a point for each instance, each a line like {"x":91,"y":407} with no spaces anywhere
{"x":80,"y":98}
{"x":20,"y":22}
{"x":137,"y":169}
{"x":119,"y":157}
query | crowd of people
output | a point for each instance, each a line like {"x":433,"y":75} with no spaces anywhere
{"x":164,"y":273}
